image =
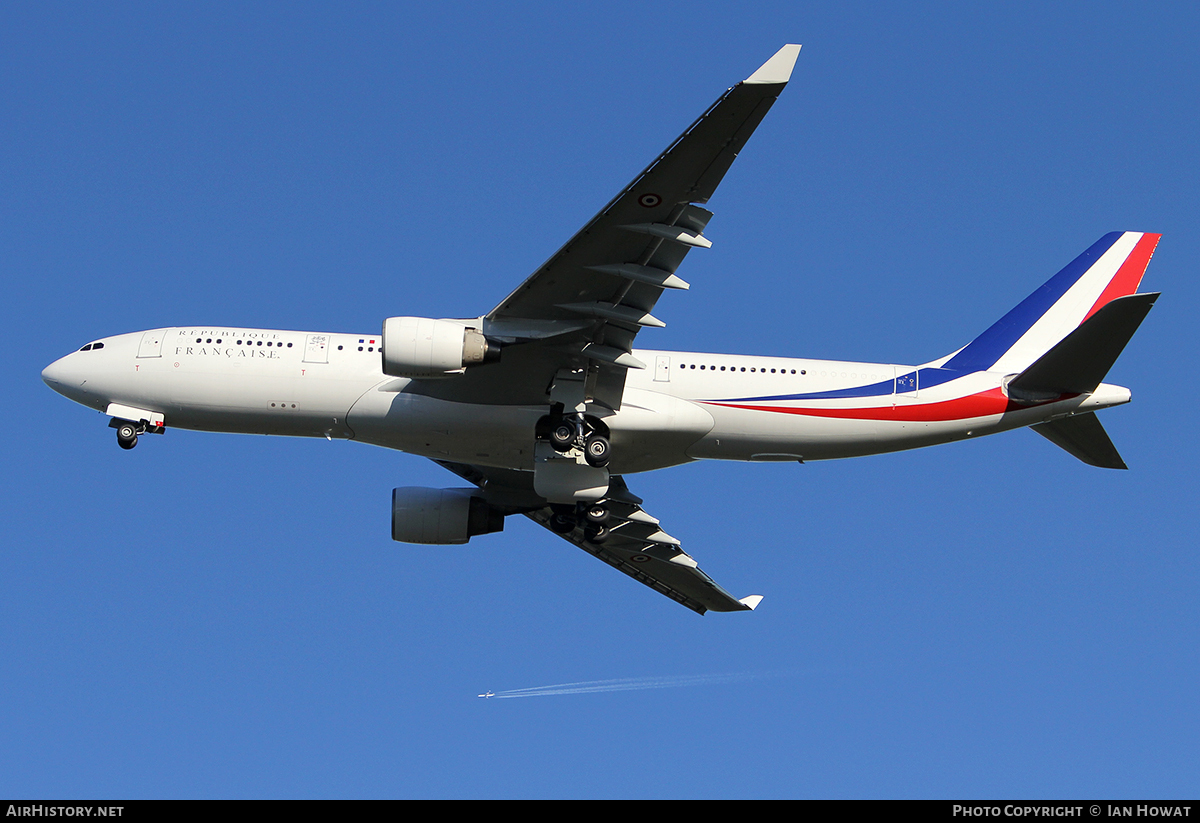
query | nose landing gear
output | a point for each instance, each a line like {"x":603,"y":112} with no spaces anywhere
{"x":128,"y":430}
{"x":127,"y":435}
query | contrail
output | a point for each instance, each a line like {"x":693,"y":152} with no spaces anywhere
{"x":627,"y":684}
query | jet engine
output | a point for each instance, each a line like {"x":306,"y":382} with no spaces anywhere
{"x":441,"y":516}
{"x":423,"y":347}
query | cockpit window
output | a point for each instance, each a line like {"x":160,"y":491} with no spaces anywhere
{"x":92,"y":347}
{"x":88,"y":347}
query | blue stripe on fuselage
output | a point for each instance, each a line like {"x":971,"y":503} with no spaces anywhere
{"x":926,"y":379}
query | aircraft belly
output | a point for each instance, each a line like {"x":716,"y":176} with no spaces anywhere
{"x":262,"y":404}
{"x":499,"y":436}
{"x":741,"y":434}
{"x":811,"y":437}
{"x":654,"y":430}
{"x":650,"y":431}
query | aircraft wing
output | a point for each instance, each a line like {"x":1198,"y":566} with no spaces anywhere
{"x":583,"y":307}
{"x":636,"y":543}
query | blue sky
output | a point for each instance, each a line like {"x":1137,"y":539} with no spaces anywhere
{"x":226,"y":616}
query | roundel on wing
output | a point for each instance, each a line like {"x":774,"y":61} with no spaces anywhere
{"x":649,"y":200}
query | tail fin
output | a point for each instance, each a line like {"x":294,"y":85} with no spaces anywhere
{"x":1111,"y":268}
{"x":1076,"y":365}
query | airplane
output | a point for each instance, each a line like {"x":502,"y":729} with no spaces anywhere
{"x":545,"y":408}
{"x":486,"y":694}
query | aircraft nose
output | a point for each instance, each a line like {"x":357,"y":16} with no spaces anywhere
{"x":55,"y":374}
{"x":64,"y":376}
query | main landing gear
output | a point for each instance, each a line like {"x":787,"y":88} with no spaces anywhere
{"x":571,"y":459}
{"x":579,"y":431}
{"x":591,"y":517}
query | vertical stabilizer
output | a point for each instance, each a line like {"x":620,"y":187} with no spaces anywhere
{"x":1111,"y":268}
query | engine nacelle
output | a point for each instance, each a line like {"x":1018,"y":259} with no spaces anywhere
{"x":423,"y":347}
{"x":441,"y":516}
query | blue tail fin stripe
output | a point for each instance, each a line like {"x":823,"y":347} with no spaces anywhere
{"x":982,"y":352}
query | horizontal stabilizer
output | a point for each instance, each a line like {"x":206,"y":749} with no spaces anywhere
{"x":1079,"y":362}
{"x":1082,"y":436}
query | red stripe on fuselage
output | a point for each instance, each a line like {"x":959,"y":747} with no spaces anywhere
{"x":983,"y":404}
{"x":1129,"y":276}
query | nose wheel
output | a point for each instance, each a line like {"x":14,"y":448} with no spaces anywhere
{"x":129,"y":430}
{"x":127,"y":435}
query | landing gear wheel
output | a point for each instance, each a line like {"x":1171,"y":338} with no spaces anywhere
{"x":597,"y":450}
{"x":127,"y":435}
{"x":562,"y":436}
{"x":596,"y":534}
{"x":562,"y":524}
{"x":596,"y":514}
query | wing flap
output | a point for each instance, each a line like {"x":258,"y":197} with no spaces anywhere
{"x":666,"y":569}
{"x":636,"y":544}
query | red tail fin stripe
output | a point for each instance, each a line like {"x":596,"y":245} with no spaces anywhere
{"x":1129,"y":276}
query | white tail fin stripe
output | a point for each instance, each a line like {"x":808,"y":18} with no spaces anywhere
{"x":1069,"y":310}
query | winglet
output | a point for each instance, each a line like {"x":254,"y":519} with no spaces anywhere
{"x":753,"y":600}
{"x":779,"y":68}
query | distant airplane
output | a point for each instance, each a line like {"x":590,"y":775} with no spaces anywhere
{"x":487,"y":694}
{"x":545,"y":407}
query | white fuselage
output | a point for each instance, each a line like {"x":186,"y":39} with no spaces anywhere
{"x":683,"y":407}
